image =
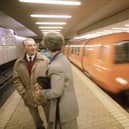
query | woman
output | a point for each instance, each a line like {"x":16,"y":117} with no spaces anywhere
{"x":63,"y":108}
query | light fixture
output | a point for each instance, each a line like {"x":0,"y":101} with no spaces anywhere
{"x":49,"y":16}
{"x":50,"y":27}
{"x":127,"y":25}
{"x":57,"y":2}
{"x":46,"y":32}
{"x":49,"y":30}
{"x":51,"y":23}
{"x":122,"y":28}
{"x":96,"y":34}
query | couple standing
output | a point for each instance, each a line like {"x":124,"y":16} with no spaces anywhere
{"x":62,"y":91}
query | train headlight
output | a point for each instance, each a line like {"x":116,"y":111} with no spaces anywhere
{"x":121,"y":81}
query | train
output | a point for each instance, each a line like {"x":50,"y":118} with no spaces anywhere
{"x":104,"y":59}
{"x":10,"y":45}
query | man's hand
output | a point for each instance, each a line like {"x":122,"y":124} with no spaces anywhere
{"x":37,"y":94}
{"x":29,"y":100}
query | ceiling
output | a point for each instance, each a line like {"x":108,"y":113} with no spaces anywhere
{"x":90,"y":15}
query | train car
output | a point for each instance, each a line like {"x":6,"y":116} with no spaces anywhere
{"x":10,"y":46}
{"x":75,"y":53}
{"x":66,"y":50}
{"x":106,"y":60}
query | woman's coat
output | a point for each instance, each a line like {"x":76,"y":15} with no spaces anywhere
{"x":60,"y":73}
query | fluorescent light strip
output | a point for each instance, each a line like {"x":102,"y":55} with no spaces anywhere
{"x":96,"y":34}
{"x":51,"y":23}
{"x":49,"y":16}
{"x":51,"y":27}
{"x":127,"y":25}
{"x":116,"y":28}
{"x":50,"y":30}
{"x":120,"y":28}
{"x":57,"y":2}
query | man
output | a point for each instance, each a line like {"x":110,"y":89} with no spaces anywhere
{"x":26,"y":71}
{"x":63,"y":110}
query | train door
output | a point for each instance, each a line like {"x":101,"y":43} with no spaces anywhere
{"x":88,"y":57}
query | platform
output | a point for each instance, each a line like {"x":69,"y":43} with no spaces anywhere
{"x":96,"y":109}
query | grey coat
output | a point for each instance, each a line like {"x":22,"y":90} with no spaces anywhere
{"x":61,"y":76}
{"x":23,"y":82}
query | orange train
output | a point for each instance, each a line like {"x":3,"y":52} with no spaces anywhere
{"x":105,"y":59}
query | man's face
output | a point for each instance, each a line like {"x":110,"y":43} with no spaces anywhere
{"x":30,"y":47}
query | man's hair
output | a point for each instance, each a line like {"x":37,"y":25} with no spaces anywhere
{"x":28,"y":40}
{"x":54,"y":41}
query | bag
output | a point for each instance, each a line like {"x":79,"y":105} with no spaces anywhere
{"x":44,"y":82}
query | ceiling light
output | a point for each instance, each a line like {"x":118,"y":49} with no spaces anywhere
{"x":50,"y":27}
{"x":117,"y":28}
{"x":127,"y":25}
{"x":51,"y":23}
{"x":121,"y":28}
{"x":49,"y":16}
{"x":57,"y":2}
{"x":46,"y":32}
{"x":96,"y":34}
{"x":50,"y":30}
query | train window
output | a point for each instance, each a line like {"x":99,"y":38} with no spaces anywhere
{"x":86,"y":52}
{"x":122,"y":52}
{"x":102,"y":52}
{"x":75,"y":50}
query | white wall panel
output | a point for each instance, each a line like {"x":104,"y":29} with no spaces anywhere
{"x":1,"y":55}
{"x":6,"y":55}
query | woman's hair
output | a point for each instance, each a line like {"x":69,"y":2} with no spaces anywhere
{"x":54,"y":41}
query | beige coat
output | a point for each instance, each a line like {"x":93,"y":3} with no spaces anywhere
{"x":23,"y":82}
{"x":60,"y":73}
